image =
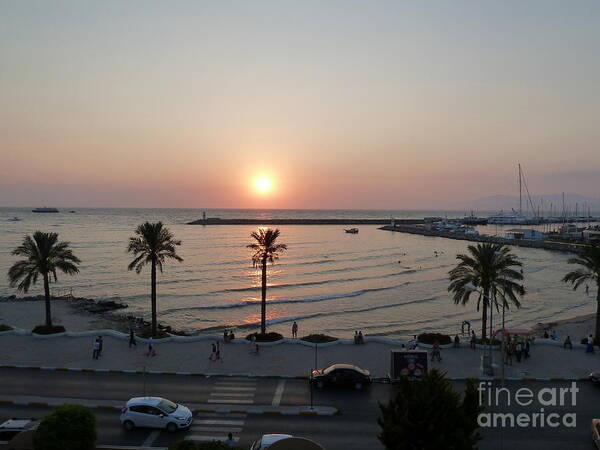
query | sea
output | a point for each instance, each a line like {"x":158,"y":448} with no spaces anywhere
{"x":328,"y":281}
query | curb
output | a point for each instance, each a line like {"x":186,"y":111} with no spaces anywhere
{"x":249,"y":375}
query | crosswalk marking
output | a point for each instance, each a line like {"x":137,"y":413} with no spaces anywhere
{"x":278,"y":393}
{"x":230,"y":401}
{"x":195,"y":437}
{"x":151,"y":438}
{"x":235,"y":388}
{"x":232,"y":394}
{"x":209,"y":427}
{"x":218,"y":422}
{"x":219,"y":429}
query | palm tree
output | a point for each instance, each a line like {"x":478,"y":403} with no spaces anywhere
{"x":589,"y":271}
{"x":490,"y":267}
{"x":265,"y":250}
{"x":44,"y":256}
{"x":152,"y":244}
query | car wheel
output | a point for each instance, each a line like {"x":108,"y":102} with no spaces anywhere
{"x":128,"y":425}
{"x":171,"y":427}
{"x":320,"y":384}
{"x":358,"y":386}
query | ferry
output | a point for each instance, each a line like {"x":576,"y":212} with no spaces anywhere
{"x":44,"y":210}
{"x":351,"y":230}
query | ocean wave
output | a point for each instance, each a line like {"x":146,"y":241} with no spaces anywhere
{"x":332,"y":313}
{"x":286,"y":300}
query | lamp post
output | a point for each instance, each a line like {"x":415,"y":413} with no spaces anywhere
{"x":486,"y":363}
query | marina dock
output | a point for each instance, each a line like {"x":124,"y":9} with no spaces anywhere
{"x":546,"y":245}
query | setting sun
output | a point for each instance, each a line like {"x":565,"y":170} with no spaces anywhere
{"x":263,"y":185}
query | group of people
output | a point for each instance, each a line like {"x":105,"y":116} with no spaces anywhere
{"x":228,"y":336}
{"x":519,"y":348}
{"x":359,"y":338}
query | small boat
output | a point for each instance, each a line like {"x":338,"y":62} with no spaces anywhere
{"x":351,"y":230}
{"x":44,"y":210}
{"x":71,"y":212}
{"x":13,"y":219}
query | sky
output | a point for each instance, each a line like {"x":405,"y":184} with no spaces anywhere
{"x":340,"y":104}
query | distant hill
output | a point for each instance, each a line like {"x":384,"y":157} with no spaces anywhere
{"x":507,"y":202}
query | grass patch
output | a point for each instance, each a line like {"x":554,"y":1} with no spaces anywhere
{"x":267,"y":337}
{"x":52,"y":329}
{"x":319,"y":338}
{"x":4,"y":327}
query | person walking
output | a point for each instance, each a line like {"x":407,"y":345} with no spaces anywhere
{"x":519,"y":351}
{"x":435,"y":354}
{"x":100,"y":345}
{"x":230,"y":442}
{"x":473,"y":339}
{"x":526,"y":348}
{"x":508,"y":353}
{"x":132,"y":342}
{"x":295,"y":330}
{"x":568,"y":343}
{"x":218,"y":356}
{"x":456,"y":341}
{"x":151,"y":350}
{"x":95,"y":348}
{"x":590,"y":344}
{"x":587,"y":290}
{"x":213,"y":352}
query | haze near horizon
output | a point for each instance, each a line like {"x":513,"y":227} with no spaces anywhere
{"x":281,"y":104}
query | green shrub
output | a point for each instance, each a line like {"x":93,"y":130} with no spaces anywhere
{"x":267,"y":337}
{"x":319,"y":338}
{"x":160,"y":334}
{"x":68,"y":427}
{"x":53,"y":329}
{"x":192,"y":445}
{"x":430,"y":338}
{"x":4,"y":327}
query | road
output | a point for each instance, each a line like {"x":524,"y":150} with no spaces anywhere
{"x":355,"y":426}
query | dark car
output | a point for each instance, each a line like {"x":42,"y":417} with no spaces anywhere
{"x":595,"y":378}
{"x":341,"y":375}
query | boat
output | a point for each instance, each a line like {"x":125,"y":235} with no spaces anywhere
{"x":13,"y":219}
{"x":516,"y":217}
{"x":351,"y":230}
{"x":474,"y":220}
{"x":44,"y":210}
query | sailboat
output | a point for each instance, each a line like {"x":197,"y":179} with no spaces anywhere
{"x":516,"y":217}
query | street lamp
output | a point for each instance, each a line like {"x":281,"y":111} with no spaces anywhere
{"x":486,"y":362}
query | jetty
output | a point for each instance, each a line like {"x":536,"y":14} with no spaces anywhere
{"x":546,"y":245}
{"x":297,"y":221}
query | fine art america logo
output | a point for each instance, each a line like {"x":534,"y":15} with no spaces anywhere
{"x":530,"y":406}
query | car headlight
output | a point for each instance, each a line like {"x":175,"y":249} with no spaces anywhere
{"x":181,"y":418}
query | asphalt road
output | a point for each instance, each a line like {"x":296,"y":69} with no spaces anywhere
{"x":355,"y":426}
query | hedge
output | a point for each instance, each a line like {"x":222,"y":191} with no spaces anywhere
{"x":318,"y":338}
{"x":268,"y":337}
{"x":52,"y":329}
{"x":430,"y":338}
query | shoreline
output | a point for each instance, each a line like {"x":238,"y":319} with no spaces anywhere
{"x":85,"y":314}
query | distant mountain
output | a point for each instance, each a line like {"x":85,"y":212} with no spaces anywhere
{"x":508,"y":202}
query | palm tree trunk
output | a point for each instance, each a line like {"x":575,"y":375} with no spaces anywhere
{"x":484,"y":318}
{"x":153,"y":297}
{"x":598,"y":310}
{"x":47,"y":298}
{"x":263,"y":303}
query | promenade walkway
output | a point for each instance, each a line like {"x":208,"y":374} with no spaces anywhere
{"x":290,"y":359}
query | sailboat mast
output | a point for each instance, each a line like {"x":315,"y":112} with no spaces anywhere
{"x":520,"y":193}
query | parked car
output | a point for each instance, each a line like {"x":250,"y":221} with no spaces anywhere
{"x":155,"y":412}
{"x":267,"y":440}
{"x":19,"y":433}
{"x":596,"y":432}
{"x":595,"y":378}
{"x":341,"y":375}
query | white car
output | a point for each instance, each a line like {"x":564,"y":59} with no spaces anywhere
{"x":155,"y":412}
{"x":267,"y":440}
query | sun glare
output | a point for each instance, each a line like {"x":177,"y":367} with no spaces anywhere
{"x":263,"y":185}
